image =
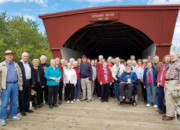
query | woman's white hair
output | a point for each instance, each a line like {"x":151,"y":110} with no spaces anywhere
{"x":134,"y":62}
{"x":52,"y":60}
{"x":100,"y":56}
{"x":75,"y":62}
{"x":57,"y":59}
{"x":109,"y":58}
{"x":72,"y":59}
{"x":43,"y":57}
{"x":117,"y":59}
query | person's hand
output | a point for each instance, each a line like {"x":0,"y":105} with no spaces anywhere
{"x":110,"y":84}
{"x":64,"y":85}
{"x":144,"y":86}
{"x":74,"y":85}
{"x":20,"y":88}
{"x":158,"y":84}
{"x":101,"y":83}
{"x":115,"y":79}
{"x":93,"y":79}
{"x":122,"y":82}
{"x":42,"y":86}
{"x":0,"y":90}
{"x":32,"y":86}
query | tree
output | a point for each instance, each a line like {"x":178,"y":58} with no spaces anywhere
{"x":21,"y":35}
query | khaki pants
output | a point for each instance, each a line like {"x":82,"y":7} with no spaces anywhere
{"x":170,"y":102}
{"x":92,"y":87}
{"x":86,"y":86}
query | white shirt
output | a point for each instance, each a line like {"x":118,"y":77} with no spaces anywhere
{"x":70,"y":76}
{"x":27,"y":70}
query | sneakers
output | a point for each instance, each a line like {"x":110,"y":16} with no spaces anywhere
{"x":15,"y":118}
{"x":3,"y":122}
{"x":60,"y":102}
{"x":68,"y":102}
{"x":77,"y":100}
{"x":72,"y":102}
{"x":148,"y":105}
{"x":155,"y":106}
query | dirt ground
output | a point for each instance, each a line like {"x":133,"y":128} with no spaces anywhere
{"x":94,"y":116}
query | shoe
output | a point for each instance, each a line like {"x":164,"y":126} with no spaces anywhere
{"x":155,"y":106}
{"x":72,"y":102}
{"x":167,"y":118}
{"x":29,"y":111}
{"x":83,"y":100}
{"x":50,"y":106}
{"x":106,"y":100}
{"x":3,"y":123}
{"x":41,"y":105}
{"x":67,"y":101}
{"x":77,"y":100}
{"x":102,"y":101}
{"x":88,"y":100}
{"x":121,"y":99}
{"x":127,"y":100}
{"x":148,"y":105}
{"x":60,"y":102}
{"x":23,"y":114}
{"x":116,"y":100}
{"x":35,"y":107}
{"x":163,"y":115}
{"x":15,"y":118}
{"x":55,"y":105}
{"x":99,"y":98}
{"x":161,"y":112}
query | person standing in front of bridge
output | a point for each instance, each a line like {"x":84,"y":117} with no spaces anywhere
{"x":157,"y":64}
{"x":172,"y":82}
{"x":10,"y":82}
{"x":86,"y":79}
{"x":161,"y":84}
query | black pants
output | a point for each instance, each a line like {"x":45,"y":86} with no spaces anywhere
{"x":104,"y":92}
{"x":126,"y":90}
{"x":111,"y":88}
{"x":60,"y":91}
{"x":70,"y":91}
{"x":65,"y":94}
{"x":25,"y":96}
{"x":52,"y":94}
{"x":38,"y":98}
{"x":144,"y":92}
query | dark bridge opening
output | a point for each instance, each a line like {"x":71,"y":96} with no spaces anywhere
{"x":110,"y":38}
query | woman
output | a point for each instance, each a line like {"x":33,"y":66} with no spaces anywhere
{"x":44,"y":66}
{"x":134,"y":66}
{"x":93,"y":77}
{"x":105,"y":79}
{"x":70,"y":80}
{"x":109,"y":60}
{"x":161,"y":84}
{"x":78,"y":85}
{"x":149,"y":81}
{"x":39,"y":84}
{"x":53,"y":76}
{"x":58,"y":64}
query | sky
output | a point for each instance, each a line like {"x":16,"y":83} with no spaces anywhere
{"x":32,"y":8}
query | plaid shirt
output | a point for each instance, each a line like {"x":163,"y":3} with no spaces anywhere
{"x":174,"y":71}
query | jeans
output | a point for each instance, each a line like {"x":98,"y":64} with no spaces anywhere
{"x":161,"y":105}
{"x":11,"y":92}
{"x":148,"y":89}
{"x":116,"y":90}
{"x":77,"y":89}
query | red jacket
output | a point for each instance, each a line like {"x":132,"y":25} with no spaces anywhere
{"x":159,"y":75}
{"x":101,"y":77}
{"x":98,"y":67}
{"x":62,"y":71}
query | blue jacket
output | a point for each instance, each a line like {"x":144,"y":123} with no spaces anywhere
{"x":153,"y":74}
{"x":86,"y":70}
{"x":133,"y":78}
{"x":50,"y":72}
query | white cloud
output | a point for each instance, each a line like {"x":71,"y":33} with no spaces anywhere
{"x":97,"y":1}
{"x":40,"y":2}
{"x":150,"y":2}
{"x":29,"y":17}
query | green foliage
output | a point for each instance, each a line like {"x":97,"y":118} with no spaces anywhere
{"x":21,"y":35}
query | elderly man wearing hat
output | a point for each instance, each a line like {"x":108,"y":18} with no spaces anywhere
{"x":10,"y":82}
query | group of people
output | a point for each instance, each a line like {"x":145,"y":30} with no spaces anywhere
{"x":42,"y":83}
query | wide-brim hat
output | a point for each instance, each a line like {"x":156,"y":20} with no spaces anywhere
{"x":9,"y":52}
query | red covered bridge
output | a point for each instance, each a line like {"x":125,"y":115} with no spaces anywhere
{"x":112,"y":31}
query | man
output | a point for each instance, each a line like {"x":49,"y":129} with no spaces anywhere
{"x":86,"y":78}
{"x":128,"y":82}
{"x":157,"y":64}
{"x":172,"y":81}
{"x":10,"y":81}
{"x":28,"y":83}
{"x":117,"y":71}
{"x":149,"y":58}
